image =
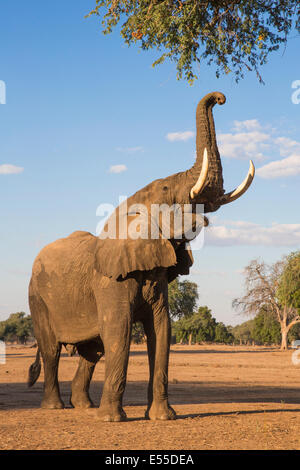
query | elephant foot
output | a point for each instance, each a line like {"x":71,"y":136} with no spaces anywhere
{"x":52,"y":404}
{"x":161,"y":411}
{"x":82,"y":402}
{"x":111,"y":414}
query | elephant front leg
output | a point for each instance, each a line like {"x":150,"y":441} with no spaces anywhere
{"x":116,"y":335}
{"x":115,"y":304}
{"x":158,"y":330}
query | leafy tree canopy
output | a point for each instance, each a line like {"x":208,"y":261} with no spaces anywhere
{"x":234,"y":35}
{"x":222,"y":334}
{"x":266,"y":330}
{"x":183,"y":296}
{"x":288,"y":291}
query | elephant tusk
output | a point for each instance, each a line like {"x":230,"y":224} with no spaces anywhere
{"x":202,"y":177}
{"x":242,"y":188}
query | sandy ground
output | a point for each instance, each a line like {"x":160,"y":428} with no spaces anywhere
{"x":226,"y":397}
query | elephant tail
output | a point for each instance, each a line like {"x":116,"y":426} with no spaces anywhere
{"x":34,"y":370}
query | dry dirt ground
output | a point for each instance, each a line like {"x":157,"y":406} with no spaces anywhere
{"x":226,"y":397}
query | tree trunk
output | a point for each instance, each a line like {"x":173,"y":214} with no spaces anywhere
{"x":284,"y":343}
{"x":190,"y":339}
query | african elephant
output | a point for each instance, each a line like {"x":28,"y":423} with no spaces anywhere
{"x":87,"y":290}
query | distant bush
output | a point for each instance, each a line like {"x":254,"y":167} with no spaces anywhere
{"x":18,"y":327}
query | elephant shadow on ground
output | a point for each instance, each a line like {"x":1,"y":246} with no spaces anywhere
{"x":17,"y":396}
{"x":223,"y":351}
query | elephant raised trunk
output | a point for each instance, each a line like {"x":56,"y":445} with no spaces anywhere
{"x":208,"y":167}
{"x":206,"y":139}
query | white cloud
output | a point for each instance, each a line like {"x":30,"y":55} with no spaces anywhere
{"x":117,"y":168}
{"x":288,"y":166}
{"x":248,"y":233}
{"x":251,"y":140}
{"x":287,"y":145}
{"x":7,"y":169}
{"x":130,"y":149}
{"x":248,"y":125}
{"x":250,"y":144}
{"x":174,"y":136}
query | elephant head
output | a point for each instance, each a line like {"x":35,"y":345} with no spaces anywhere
{"x":200,"y":185}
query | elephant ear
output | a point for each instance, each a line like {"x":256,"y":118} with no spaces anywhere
{"x":185,"y":260}
{"x":117,"y":258}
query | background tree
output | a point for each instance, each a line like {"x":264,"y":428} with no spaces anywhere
{"x":201,"y":327}
{"x":183,"y":296}
{"x":223,"y":334}
{"x":234,"y":35}
{"x":294,"y":333}
{"x":180,"y":329}
{"x":265,"y":329}
{"x":207,"y":325}
{"x":288,"y":294}
{"x":289,"y":285}
{"x":276,"y":288}
{"x":18,"y":327}
{"x":243,"y":333}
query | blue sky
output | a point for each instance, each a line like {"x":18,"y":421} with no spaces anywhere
{"x":88,"y":119}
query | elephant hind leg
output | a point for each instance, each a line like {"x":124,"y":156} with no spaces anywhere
{"x":90,"y":353}
{"x":50,"y":351}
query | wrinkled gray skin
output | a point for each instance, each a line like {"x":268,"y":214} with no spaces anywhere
{"x":87,"y":292}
